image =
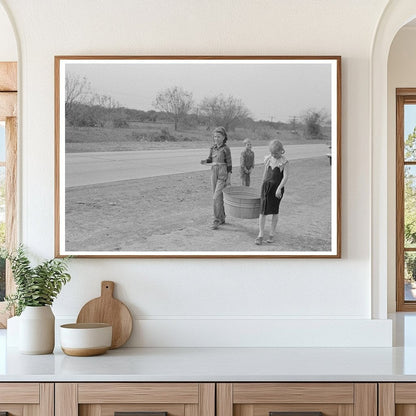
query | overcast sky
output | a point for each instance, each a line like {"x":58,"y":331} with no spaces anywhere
{"x":270,"y":90}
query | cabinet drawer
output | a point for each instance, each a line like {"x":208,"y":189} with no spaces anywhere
{"x":138,"y":393}
{"x":21,"y":399}
{"x":149,"y":399}
{"x":309,"y":399}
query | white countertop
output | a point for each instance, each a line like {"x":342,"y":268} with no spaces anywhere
{"x":215,"y":364}
{"x":221,"y":364}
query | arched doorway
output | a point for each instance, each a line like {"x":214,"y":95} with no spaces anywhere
{"x":396,"y":15}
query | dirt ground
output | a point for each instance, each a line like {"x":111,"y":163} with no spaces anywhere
{"x":174,"y":213}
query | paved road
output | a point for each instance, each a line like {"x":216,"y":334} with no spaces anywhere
{"x":101,"y":167}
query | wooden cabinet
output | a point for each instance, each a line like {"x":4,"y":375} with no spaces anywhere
{"x":331,"y":399}
{"x":106,"y":399}
{"x":208,"y":399}
{"x":27,"y":399}
{"x":397,"y":399}
{"x":222,"y":399}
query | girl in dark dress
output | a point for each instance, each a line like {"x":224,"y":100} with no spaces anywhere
{"x":272,"y":189}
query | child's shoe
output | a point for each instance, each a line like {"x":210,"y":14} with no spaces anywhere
{"x":215,"y":225}
{"x":270,"y":239}
{"x":258,"y":241}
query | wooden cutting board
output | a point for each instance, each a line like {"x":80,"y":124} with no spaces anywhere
{"x":108,"y":310}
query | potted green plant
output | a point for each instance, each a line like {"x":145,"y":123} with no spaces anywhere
{"x":36,"y":289}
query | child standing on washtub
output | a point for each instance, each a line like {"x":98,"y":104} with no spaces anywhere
{"x":221,"y":167}
{"x":272,"y":189}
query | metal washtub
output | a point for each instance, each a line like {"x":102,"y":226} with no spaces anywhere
{"x":241,"y":202}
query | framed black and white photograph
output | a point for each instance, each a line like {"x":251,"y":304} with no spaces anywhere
{"x":198,"y":156}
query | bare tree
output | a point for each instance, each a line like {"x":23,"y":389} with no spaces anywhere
{"x":105,"y":109}
{"x":175,"y":101}
{"x":83,"y":107}
{"x":104,"y":101}
{"x":77,"y":90}
{"x":224,"y":111}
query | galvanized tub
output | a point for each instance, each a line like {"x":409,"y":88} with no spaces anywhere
{"x":242,"y":202}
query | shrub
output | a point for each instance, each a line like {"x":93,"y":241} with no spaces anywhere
{"x":120,"y":123}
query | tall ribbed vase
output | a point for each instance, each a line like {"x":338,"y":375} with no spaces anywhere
{"x":37,"y":330}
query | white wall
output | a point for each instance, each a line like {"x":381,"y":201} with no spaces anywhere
{"x":401,"y":74}
{"x":8,"y":46}
{"x":203,"y":302}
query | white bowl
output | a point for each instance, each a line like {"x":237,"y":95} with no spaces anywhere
{"x":83,"y":340}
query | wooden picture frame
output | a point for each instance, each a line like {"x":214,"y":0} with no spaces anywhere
{"x":131,"y":131}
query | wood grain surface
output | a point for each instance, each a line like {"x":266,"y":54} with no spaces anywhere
{"x":109,"y":310}
{"x":252,"y":393}
{"x":22,"y":393}
{"x":386,"y":399}
{"x":84,"y":352}
{"x":8,"y":105}
{"x":8,"y":76}
{"x":171,"y":393}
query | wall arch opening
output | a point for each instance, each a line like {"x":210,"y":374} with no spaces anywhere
{"x":396,"y":15}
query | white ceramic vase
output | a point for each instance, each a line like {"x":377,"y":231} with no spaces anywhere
{"x":37,"y":330}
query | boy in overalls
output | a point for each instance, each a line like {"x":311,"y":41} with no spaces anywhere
{"x":246,"y":163}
